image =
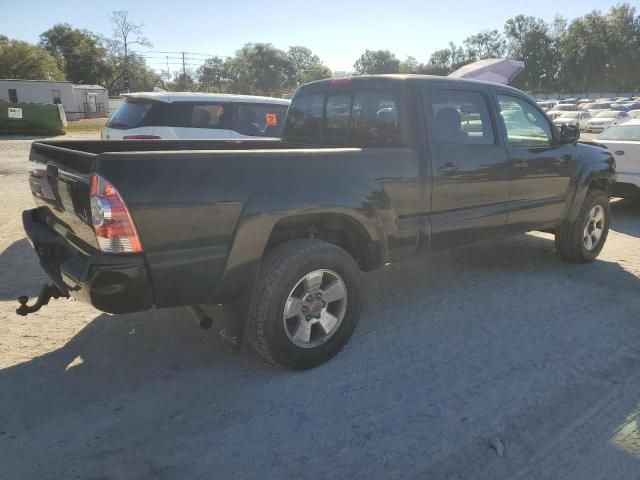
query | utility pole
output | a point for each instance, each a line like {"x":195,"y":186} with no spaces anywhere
{"x":127,"y":84}
{"x":184,"y":74}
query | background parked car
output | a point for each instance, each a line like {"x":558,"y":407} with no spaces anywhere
{"x":560,"y":109}
{"x":634,"y":114}
{"x":624,"y":142}
{"x":546,"y":105}
{"x":632,"y":106}
{"x":596,"y":107}
{"x":606,"y":119}
{"x":619,"y":107}
{"x":578,"y":119}
{"x":164,"y":115}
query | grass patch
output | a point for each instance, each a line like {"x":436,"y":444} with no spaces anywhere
{"x":93,"y":125}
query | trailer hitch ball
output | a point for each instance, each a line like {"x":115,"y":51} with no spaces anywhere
{"x":47,"y":292}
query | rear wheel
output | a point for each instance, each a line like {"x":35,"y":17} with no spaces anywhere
{"x":582,"y":240}
{"x":306,"y":303}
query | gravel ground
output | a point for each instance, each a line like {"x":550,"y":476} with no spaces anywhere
{"x":493,"y":362}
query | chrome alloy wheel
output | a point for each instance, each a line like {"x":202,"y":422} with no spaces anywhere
{"x":594,"y":228}
{"x":315,"y":308}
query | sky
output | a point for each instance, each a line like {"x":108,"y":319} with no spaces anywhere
{"x":337,"y":31}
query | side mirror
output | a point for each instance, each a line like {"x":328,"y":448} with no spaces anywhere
{"x":569,"y":134}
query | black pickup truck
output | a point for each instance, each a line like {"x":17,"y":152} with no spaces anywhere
{"x":370,"y":170}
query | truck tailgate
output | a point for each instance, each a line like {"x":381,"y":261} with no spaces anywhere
{"x":60,"y":182}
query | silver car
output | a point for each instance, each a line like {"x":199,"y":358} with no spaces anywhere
{"x":561,"y":109}
{"x":604,"y":120}
{"x":578,"y":119}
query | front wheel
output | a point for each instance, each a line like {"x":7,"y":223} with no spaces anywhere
{"x":306,"y":303}
{"x":582,"y":240}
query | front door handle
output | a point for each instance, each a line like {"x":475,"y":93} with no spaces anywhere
{"x":521,"y":164}
{"x":448,"y":169}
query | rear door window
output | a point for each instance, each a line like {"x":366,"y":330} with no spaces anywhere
{"x":260,"y":120}
{"x":196,"y":115}
{"x":132,"y":114}
{"x":460,"y":116}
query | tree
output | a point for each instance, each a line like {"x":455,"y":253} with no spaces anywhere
{"x":183,"y":82}
{"x":529,"y":39}
{"x":410,"y":65}
{"x":84,"y":56}
{"x":377,"y":61}
{"x":260,"y":69}
{"x":125,"y":35}
{"x":213,"y":76}
{"x":488,"y":44}
{"x":23,"y":60}
{"x":307,"y":67}
{"x":447,"y":60}
{"x":602,"y":52}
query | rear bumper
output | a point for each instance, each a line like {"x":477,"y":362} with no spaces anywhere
{"x":111,"y":283}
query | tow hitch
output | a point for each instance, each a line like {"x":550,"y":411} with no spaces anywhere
{"x":47,"y":292}
{"x":229,"y":330}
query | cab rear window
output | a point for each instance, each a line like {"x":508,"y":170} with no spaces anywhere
{"x":360,"y":118}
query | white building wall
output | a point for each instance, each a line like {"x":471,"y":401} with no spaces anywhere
{"x":72,"y":97}
{"x":38,"y":92}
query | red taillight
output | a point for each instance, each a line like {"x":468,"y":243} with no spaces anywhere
{"x":141,"y":137}
{"x":112,"y":223}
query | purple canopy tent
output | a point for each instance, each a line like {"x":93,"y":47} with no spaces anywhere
{"x":496,"y":70}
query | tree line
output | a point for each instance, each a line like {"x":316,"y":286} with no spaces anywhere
{"x":593,"y":53}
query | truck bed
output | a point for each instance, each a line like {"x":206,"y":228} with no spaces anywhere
{"x":189,"y":198}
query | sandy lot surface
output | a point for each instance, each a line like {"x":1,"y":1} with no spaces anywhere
{"x":493,"y":362}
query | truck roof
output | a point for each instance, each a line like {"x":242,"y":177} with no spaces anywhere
{"x":169,"y":97}
{"x":397,"y":77}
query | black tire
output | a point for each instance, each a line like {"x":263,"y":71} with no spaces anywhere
{"x":281,"y":270}
{"x":570,"y":235}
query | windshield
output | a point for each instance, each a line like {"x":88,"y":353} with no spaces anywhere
{"x":570,"y":115}
{"x":622,"y":132}
{"x":565,"y":108}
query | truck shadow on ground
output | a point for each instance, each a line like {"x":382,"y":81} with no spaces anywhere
{"x":19,"y":271}
{"x":626,"y":216}
{"x":123,"y":379}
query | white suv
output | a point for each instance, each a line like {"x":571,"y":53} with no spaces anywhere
{"x":192,"y":116}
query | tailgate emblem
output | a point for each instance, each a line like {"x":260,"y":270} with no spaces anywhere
{"x":619,"y":152}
